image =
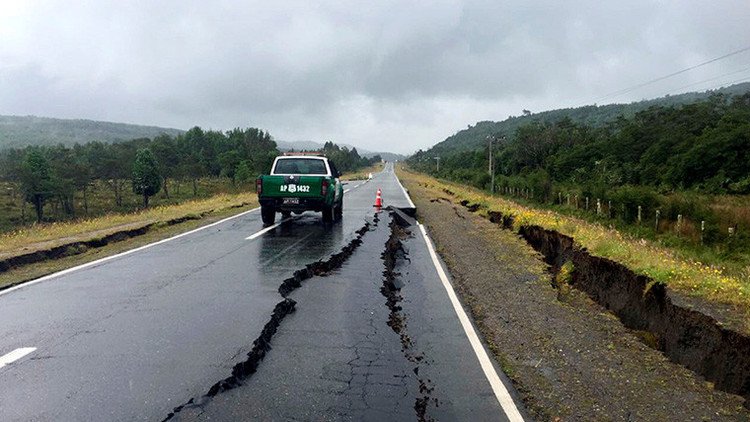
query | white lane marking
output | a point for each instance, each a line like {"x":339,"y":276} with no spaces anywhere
{"x":267,"y":229}
{"x":501,"y":393}
{"x":109,"y":258}
{"x":15,"y":355}
{"x":355,"y":186}
{"x":408,"y":198}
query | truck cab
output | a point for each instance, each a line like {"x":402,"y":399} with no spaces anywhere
{"x":298,"y":183}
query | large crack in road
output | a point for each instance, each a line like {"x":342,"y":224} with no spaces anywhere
{"x":394,"y":256}
{"x":262,"y":344}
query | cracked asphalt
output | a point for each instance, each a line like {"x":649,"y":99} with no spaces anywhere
{"x":137,"y":336}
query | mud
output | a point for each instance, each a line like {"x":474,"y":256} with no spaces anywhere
{"x":506,"y":221}
{"x":570,"y":359}
{"x":394,"y":256}
{"x":686,"y":336}
{"x":469,"y":206}
{"x":72,"y":248}
{"x":78,"y":247}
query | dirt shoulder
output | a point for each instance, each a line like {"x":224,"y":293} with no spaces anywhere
{"x":569,"y":358}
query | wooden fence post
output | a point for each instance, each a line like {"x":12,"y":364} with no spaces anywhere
{"x":656,"y":227}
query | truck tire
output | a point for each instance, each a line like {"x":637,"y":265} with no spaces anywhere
{"x":268,"y":215}
{"x":339,"y":211}
{"x":327,"y":214}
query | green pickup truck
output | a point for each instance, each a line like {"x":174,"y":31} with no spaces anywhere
{"x":300,"y":183}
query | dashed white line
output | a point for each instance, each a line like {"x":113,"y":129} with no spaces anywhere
{"x":108,"y":258}
{"x":501,"y":393}
{"x":267,"y":229}
{"x":15,"y":355}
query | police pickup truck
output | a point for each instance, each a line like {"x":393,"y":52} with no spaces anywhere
{"x":300,"y":183}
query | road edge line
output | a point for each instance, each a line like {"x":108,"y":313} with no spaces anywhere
{"x":498,"y":388}
{"x":406,"y":193}
{"x":121,"y":254}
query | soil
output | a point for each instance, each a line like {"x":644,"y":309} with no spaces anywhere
{"x":568,"y":357}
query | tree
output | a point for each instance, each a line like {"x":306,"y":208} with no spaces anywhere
{"x":146,"y":177}
{"x":37,"y":181}
{"x":165,"y":150}
{"x":243,"y":174}
{"x":228,"y":161}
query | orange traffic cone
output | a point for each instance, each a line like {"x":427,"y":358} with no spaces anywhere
{"x":378,"y":200}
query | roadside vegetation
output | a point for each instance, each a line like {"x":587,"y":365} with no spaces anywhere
{"x":364,"y":173}
{"x":50,"y":184}
{"x":674,"y":179}
{"x":718,"y":281}
{"x":48,"y":235}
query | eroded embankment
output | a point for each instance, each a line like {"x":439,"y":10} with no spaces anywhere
{"x":261,"y":345}
{"x":80,"y":246}
{"x":686,"y":336}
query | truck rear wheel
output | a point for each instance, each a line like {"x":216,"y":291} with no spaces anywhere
{"x":328,"y":214}
{"x":268,"y":215}
{"x":339,"y":210}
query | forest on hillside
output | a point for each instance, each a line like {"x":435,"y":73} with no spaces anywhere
{"x":661,"y":154}
{"x":474,"y":136}
{"x":62,"y":177}
{"x":22,"y":131}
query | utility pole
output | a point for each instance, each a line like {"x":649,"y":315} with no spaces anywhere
{"x":438,"y":163}
{"x":491,"y":138}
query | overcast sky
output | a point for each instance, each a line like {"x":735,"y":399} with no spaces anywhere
{"x":381,"y":75}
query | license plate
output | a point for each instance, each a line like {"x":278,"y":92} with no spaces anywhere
{"x":291,"y":201}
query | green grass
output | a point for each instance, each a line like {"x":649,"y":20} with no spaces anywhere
{"x":362,"y":173}
{"x":39,"y":235}
{"x":16,"y":214}
{"x":719,"y":279}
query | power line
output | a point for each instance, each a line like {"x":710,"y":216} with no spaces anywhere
{"x":661,"y":78}
{"x":709,"y":80}
{"x":730,"y":83}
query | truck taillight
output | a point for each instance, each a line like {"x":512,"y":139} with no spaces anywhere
{"x":324,"y":187}
{"x":259,"y":185}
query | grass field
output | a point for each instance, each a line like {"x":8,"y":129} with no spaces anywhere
{"x":719,"y":280}
{"x":18,"y":229}
{"x":15,"y":214}
{"x":363,"y":173}
{"x":26,"y":238}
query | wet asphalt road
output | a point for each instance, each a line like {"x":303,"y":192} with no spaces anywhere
{"x":138,"y":335}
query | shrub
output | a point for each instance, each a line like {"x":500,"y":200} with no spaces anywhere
{"x":630,"y":197}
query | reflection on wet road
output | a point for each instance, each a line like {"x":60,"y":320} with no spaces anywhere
{"x":137,"y":336}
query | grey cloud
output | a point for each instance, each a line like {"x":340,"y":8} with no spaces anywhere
{"x":350,"y":72}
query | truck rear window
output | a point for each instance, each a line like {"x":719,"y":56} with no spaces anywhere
{"x":300,"y":166}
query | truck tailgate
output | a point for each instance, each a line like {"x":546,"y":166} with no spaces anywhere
{"x":299,"y":186}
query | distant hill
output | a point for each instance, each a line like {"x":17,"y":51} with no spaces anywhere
{"x":475,"y":136}
{"x":312,"y":145}
{"x":21,"y":131}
